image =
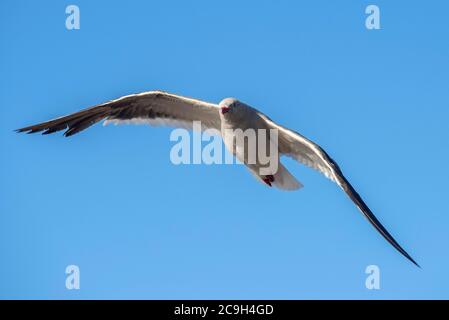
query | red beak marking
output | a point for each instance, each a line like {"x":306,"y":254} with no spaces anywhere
{"x":224,"y":110}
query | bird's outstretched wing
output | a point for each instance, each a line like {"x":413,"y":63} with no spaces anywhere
{"x":305,"y":151}
{"x":153,"y":107}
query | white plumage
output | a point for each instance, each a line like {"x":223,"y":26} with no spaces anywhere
{"x":161,"y":108}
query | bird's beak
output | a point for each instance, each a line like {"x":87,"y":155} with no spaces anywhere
{"x":224,"y":110}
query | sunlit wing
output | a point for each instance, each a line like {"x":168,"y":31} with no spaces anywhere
{"x":152,"y":107}
{"x":298,"y":147}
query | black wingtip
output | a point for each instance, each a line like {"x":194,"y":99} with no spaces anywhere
{"x":350,"y":191}
{"x":402,"y":251}
{"x":26,"y":130}
{"x":413,"y":261}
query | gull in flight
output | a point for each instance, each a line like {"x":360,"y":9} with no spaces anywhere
{"x":162,"y":108}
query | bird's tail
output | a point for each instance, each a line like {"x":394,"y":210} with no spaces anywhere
{"x":283,"y":179}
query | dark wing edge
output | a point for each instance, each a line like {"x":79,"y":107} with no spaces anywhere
{"x":74,"y":122}
{"x":361,"y":205}
{"x":151,"y":106}
{"x":331,"y":170}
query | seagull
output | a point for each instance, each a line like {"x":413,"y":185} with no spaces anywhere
{"x":163,"y":108}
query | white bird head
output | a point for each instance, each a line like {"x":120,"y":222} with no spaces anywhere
{"x":232,"y":108}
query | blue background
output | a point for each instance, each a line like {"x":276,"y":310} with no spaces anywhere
{"x":110,"y":201}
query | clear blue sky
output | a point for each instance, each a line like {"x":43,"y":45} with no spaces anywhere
{"x":110,"y":201}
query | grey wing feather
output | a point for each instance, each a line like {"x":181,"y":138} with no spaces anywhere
{"x":305,"y":151}
{"x":153,"y":107}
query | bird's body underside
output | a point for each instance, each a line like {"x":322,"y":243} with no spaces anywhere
{"x":161,"y":108}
